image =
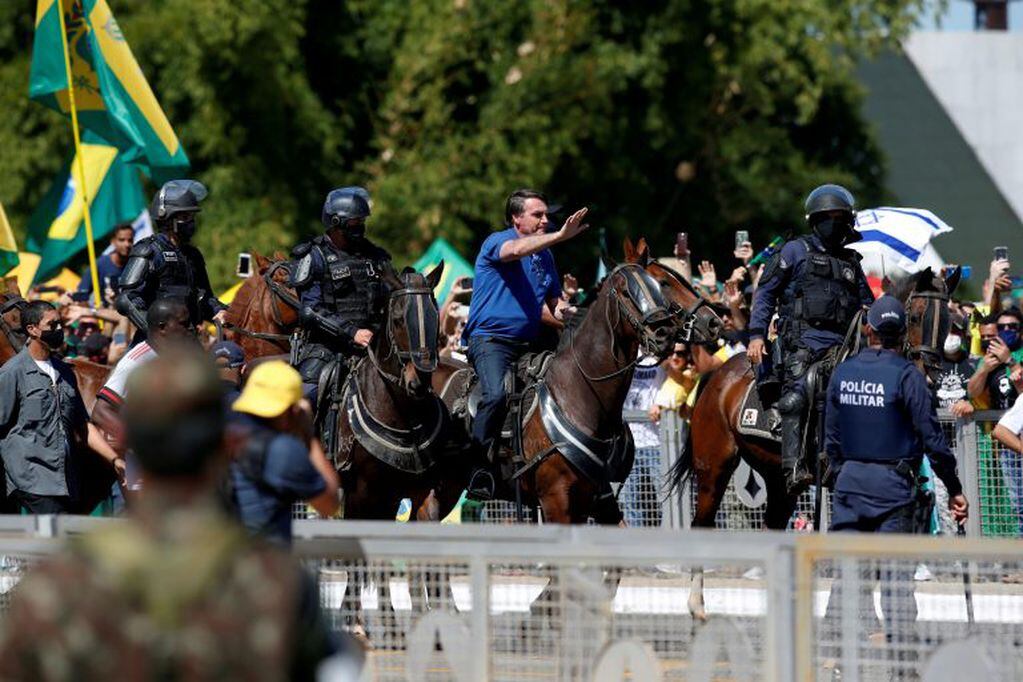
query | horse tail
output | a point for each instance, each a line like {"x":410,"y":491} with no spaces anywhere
{"x":683,"y":467}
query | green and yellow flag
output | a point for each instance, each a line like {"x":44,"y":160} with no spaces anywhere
{"x":8,"y":247}
{"x":454,"y":266}
{"x":56,"y":230}
{"x":112,"y":96}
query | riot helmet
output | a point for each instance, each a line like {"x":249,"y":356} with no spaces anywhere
{"x":175,"y":205}
{"x":834,"y":231}
{"x":346,"y":208}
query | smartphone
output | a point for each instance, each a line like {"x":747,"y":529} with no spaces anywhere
{"x":465,"y":283}
{"x":1001,"y":253}
{"x":682,"y":244}
{"x":244,"y":268}
{"x":741,"y":237}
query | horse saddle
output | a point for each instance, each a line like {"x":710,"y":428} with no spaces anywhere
{"x":518,"y":381}
{"x":756,"y":419}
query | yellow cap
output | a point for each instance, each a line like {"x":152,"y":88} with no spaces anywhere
{"x":272,"y":388}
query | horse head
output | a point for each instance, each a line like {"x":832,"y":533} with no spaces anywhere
{"x":12,"y":337}
{"x":411,"y":328}
{"x":926,"y":297}
{"x":265,"y":309}
{"x":637,"y":298}
{"x":697,"y":319}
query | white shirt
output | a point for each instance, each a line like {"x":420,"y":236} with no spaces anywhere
{"x":115,"y":390}
{"x":48,"y":369}
{"x":646,"y":382}
{"x":1013,"y":417}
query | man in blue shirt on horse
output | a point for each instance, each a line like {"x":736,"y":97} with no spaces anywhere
{"x":515,"y":284}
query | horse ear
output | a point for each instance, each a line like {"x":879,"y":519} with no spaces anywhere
{"x":923,"y":279}
{"x":433,"y":279}
{"x":279,"y":255}
{"x":952,"y":279}
{"x":642,"y":252}
{"x":629,"y":250}
{"x":262,"y":263}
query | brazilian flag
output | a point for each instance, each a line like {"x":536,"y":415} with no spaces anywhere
{"x":454,"y":266}
{"x":56,"y":230}
{"x":8,"y":247}
{"x":112,"y":96}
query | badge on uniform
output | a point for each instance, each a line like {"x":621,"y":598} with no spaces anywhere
{"x":170,"y":256}
{"x":848,"y":274}
{"x":749,"y":417}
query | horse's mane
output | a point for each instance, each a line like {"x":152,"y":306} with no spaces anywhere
{"x":243,"y":298}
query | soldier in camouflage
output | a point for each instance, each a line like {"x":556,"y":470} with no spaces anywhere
{"x":178,"y":591}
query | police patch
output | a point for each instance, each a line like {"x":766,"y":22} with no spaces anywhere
{"x":170,"y":256}
{"x":749,"y":417}
{"x":303,"y":270}
{"x":848,"y":274}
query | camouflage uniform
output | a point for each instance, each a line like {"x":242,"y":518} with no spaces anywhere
{"x":185,"y":594}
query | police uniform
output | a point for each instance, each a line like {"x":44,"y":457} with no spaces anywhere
{"x":880,"y":422}
{"x":820,"y":287}
{"x":342,"y":291}
{"x":161,"y":267}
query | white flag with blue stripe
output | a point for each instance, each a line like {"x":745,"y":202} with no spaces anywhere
{"x":899,"y":236}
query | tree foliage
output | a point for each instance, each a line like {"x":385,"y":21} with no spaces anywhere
{"x":696,"y":115}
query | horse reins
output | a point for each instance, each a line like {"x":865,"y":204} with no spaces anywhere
{"x":688,"y":313}
{"x":280,"y":292}
{"x":403,"y":355}
{"x":928,"y":348}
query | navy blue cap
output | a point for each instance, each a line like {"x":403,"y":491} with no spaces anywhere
{"x":887,"y":315}
{"x":230,"y":351}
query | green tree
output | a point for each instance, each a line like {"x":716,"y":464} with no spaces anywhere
{"x":696,"y":115}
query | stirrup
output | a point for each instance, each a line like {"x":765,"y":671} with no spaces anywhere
{"x":797,"y":480}
{"x":481,"y":486}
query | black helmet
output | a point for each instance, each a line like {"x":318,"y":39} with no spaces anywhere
{"x":177,"y":196}
{"x":344,"y":204}
{"x":829,"y":198}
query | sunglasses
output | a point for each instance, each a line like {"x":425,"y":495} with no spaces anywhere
{"x":681,"y":354}
{"x":1007,"y":326}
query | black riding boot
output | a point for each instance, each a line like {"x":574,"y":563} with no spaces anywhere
{"x":792,"y":466}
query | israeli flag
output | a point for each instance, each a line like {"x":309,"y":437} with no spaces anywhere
{"x":143,"y":227}
{"x":898,"y":239}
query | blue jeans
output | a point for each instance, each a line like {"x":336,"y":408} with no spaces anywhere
{"x":1012,"y":473}
{"x":491,"y":357}
{"x":640,"y":492}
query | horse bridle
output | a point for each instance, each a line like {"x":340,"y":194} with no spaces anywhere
{"x":281,"y":292}
{"x":930,"y":347}
{"x":424,"y":354}
{"x":15,"y":337}
{"x":687,"y":313}
{"x":651,"y":306}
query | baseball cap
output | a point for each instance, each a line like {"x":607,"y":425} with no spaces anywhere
{"x":887,"y":315}
{"x":272,"y":388}
{"x":230,"y":351}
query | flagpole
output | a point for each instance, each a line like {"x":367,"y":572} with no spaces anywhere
{"x":78,"y":154}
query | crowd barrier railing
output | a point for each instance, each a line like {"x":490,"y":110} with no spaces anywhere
{"x":475,"y":602}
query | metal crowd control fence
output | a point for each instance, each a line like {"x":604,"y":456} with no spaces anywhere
{"x":474,"y":602}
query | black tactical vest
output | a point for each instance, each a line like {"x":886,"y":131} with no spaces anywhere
{"x":174,"y":276}
{"x":827,"y":293}
{"x":352,"y":284}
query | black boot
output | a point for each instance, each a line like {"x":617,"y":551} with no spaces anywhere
{"x":481,"y":486}
{"x":797,"y":478}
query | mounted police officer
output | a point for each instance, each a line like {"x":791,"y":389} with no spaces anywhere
{"x":339,"y":279}
{"x":880,"y":422}
{"x":820,"y":287}
{"x":166,"y":265}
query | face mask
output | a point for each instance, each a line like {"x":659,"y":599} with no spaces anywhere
{"x":832,"y":231}
{"x":53,"y":338}
{"x":356,"y":230}
{"x":1010,"y":337}
{"x":953,"y":344}
{"x":185,"y":228}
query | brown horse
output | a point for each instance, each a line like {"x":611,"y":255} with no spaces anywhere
{"x":264,"y":312}
{"x":582,"y":392}
{"x":715,"y":445}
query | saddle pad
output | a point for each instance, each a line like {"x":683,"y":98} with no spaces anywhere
{"x":755,"y":420}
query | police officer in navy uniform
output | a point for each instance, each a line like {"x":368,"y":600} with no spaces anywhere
{"x":880,"y":422}
{"x":339,"y":279}
{"x":820,"y":287}
{"x":166,"y":265}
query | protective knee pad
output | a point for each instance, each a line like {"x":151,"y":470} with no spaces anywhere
{"x":791,"y":403}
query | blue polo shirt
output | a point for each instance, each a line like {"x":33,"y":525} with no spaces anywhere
{"x":107,"y":272}
{"x":507,"y":298}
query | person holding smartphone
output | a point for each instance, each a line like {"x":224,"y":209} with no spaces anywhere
{"x":817,"y":286}
{"x":1002,"y":345}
